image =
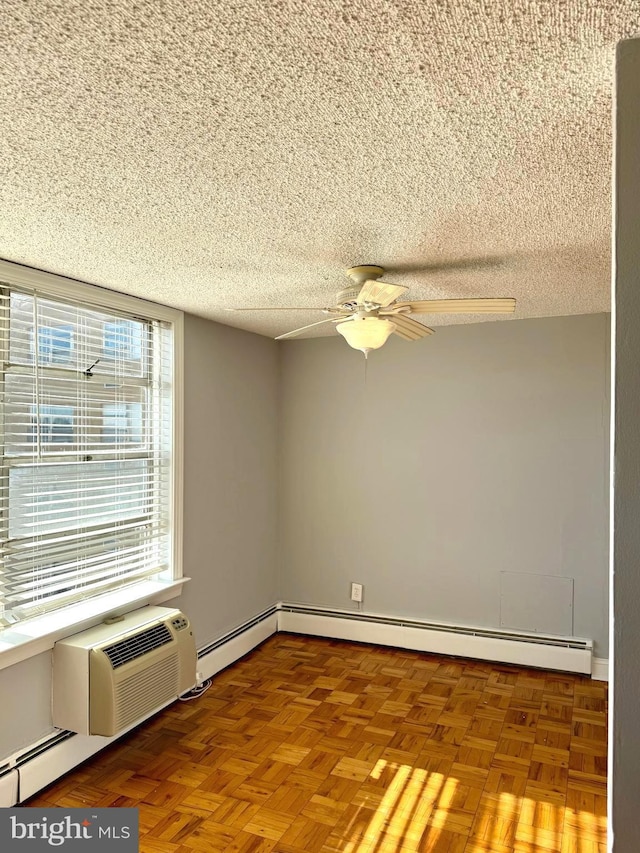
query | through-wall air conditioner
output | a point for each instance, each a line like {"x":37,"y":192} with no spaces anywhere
{"x":112,"y":676}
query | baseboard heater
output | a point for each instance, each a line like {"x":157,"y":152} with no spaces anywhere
{"x":566,"y":654}
{"x":230,"y":647}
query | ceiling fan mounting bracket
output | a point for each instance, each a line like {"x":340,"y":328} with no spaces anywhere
{"x":364,"y":272}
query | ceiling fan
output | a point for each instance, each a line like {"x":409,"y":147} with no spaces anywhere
{"x":367,"y":311}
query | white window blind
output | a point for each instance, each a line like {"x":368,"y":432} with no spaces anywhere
{"x":85,"y":483}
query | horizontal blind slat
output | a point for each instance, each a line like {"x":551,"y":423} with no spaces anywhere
{"x":86,"y":395}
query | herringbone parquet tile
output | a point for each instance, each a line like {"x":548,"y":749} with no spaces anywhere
{"x":310,"y":745}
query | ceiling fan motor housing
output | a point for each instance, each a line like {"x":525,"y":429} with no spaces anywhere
{"x":348,"y":298}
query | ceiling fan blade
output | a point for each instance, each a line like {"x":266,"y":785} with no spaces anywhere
{"x":380,"y":292}
{"x":408,"y":329}
{"x":453,"y":265}
{"x":294,"y":308}
{"x":304,"y":328}
{"x":460,"y":306}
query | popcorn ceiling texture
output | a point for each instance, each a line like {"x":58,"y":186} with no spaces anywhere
{"x":237,"y":154}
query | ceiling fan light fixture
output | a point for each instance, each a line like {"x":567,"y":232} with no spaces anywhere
{"x":366,"y":333}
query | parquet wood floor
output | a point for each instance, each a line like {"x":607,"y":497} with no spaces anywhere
{"x":319,"y":746}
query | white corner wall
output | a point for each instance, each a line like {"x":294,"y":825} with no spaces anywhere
{"x":624,"y":776}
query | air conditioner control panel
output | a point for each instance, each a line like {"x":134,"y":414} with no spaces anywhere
{"x":179,"y":623}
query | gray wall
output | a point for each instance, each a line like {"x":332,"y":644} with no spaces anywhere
{"x":230,"y":494}
{"x":625,"y":766}
{"x":482,"y":449}
{"x":230,"y":513}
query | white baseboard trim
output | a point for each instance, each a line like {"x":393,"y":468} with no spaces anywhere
{"x":600,"y":669}
{"x":564,"y":654}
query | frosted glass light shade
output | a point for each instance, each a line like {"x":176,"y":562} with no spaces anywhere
{"x":366,"y":333}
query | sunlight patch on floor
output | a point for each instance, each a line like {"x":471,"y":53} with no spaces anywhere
{"x":428,"y":812}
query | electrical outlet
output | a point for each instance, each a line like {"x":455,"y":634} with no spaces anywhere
{"x":357,"y":591}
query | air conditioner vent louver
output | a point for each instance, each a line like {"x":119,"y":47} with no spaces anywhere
{"x":138,"y":645}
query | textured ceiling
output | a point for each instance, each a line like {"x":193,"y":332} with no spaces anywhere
{"x":235,"y":154}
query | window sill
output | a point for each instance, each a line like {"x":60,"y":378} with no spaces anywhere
{"x":38,"y":635}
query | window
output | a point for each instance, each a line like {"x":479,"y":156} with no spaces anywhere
{"x":88,"y":462}
{"x":55,"y":344}
{"x":123,"y":339}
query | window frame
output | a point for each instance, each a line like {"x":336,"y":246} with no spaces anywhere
{"x":34,"y":635}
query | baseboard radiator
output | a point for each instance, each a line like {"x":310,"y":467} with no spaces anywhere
{"x":567,"y":654}
{"x":232,"y":646}
{"x":24,"y":774}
